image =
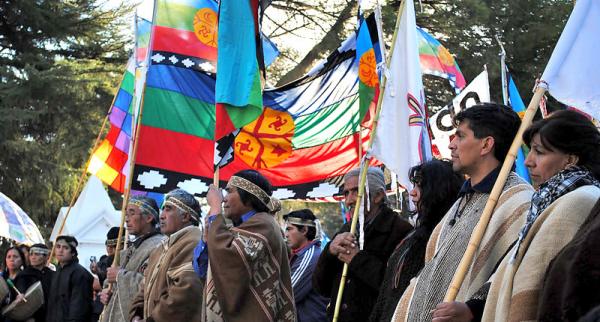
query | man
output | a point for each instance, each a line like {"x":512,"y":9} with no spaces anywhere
{"x":171,"y":290}
{"x":248,"y":278}
{"x":483,"y":136}
{"x":70,"y":297}
{"x":37,"y":271}
{"x":141,"y":218}
{"x":100,"y":268}
{"x":383,"y":230}
{"x":300,"y":232}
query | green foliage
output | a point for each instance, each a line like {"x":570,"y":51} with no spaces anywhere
{"x":60,"y":63}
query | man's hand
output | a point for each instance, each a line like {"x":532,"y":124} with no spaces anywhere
{"x":342,"y":243}
{"x":111,"y":274}
{"x":214,"y":198}
{"x":452,"y":311}
{"x":105,"y":296}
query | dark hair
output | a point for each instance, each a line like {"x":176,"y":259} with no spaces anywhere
{"x":495,"y":120}
{"x":569,"y":132}
{"x":69,"y":239}
{"x":21,"y":254}
{"x":258,"y":179}
{"x":439,"y":186}
{"x":306,"y":214}
{"x":39,"y":246}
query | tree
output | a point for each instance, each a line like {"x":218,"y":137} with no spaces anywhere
{"x":60,"y":62}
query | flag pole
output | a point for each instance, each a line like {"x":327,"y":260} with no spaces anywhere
{"x":503,"y":71}
{"x":365,"y":166}
{"x":484,"y":220}
{"x":84,"y":171}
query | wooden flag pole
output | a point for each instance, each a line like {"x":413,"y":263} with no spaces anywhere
{"x":481,"y":227}
{"x":364,"y":168}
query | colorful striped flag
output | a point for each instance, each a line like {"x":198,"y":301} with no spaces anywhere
{"x":516,"y":103}
{"x":240,"y":65}
{"x":368,"y":85}
{"x":142,"y":39}
{"x":109,"y":160}
{"x":436,"y":60}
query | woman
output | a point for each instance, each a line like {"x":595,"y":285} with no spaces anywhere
{"x":435,"y":189}
{"x":14,"y":263}
{"x":564,"y":164}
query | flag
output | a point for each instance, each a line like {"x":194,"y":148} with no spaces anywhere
{"x":440,"y":123}
{"x":436,"y":60}
{"x":368,"y":85}
{"x":109,"y":161}
{"x":402,"y":139}
{"x":303,"y":142}
{"x":573,"y":72}
{"x":142,"y":39}
{"x":516,"y":103}
{"x":240,"y":65}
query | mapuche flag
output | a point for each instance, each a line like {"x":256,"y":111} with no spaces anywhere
{"x":240,"y":65}
{"x":109,"y":160}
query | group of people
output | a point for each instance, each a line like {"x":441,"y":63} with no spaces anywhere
{"x":538,"y":258}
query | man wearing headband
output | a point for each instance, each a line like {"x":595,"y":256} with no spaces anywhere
{"x":301,"y":234}
{"x":142,"y":219}
{"x":248,"y":277}
{"x":37,"y":271}
{"x":383,"y":230}
{"x":171,"y":290}
{"x":70,"y":297}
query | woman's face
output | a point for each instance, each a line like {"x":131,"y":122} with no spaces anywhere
{"x":544,"y":163}
{"x":415,"y":195}
{"x":13,"y":260}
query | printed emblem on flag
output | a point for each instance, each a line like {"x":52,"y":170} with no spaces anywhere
{"x":205,"y":26}
{"x":367,"y":70}
{"x":267,"y":141}
{"x":417,"y":116}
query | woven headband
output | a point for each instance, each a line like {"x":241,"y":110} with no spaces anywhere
{"x":144,"y":207}
{"x":71,"y":244}
{"x":252,"y":189}
{"x":301,"y":222}
{"x":39,"y":251}
{"x":112,"y":242}
{"x":173,"y":201}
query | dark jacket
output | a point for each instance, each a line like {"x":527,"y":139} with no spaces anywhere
{"x":70,"y":297}
{"x":28,"y":277}
{"x":310,"y":305}
{"x":365,"y":271}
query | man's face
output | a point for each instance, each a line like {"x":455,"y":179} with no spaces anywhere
{"x":63,"y":252}
{"x":136,"y":222}
{"x":110,"y":250}
{"x":233,"y":207}
{"x":350,"y":192}
{"x":171,"y":221}
{"x":294,"y":236}
{"x":465,"y":149}
{"x":37,"y":260}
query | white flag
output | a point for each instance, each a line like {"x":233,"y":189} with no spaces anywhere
{"x":442,"y":129}
{"x":573,"y":72}
{"x":402,"y":140}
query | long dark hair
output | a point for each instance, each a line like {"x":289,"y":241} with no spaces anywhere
{"x":439,"y":186}
{"x":21,"y":254}
{"x":569,"y":132}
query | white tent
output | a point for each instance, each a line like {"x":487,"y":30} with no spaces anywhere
{"x":89,"y":220}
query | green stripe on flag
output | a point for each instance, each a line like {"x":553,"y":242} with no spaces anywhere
{"x":176,"y":112}
{"x":331,"y":123}
{"x":175,"y":15}
{"x":128,"y":83}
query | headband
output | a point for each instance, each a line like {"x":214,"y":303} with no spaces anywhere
{"x":39,"y":251}
{"x":252,"y":189}
{"x":173,"y":201}
{"x":301,"y":222}
{"x":72,"y":244}
{"x":112,"y":242}
{"x":144,"y":206}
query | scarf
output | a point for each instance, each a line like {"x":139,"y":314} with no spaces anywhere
{"x":557,"y":186}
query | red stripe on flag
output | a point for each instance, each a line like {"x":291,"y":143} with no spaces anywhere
{"x":181,"y":42}
{"x":224,"y":125}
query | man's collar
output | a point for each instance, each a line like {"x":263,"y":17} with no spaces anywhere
{"x":484,"y":186}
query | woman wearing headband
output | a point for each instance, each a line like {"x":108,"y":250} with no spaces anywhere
{"x":248,"y":277}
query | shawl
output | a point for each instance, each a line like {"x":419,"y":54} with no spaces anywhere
{"x":448,"y":243}
{"x":249,"y":272}
{"x":572,"y":281}
{"x":515,"y":290}
{"x":171,"y":290}
{"x":134,"y":262}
